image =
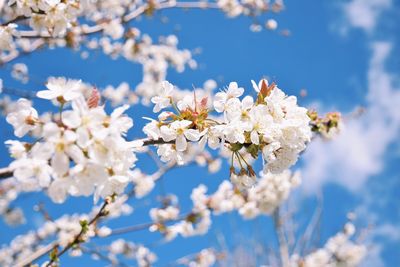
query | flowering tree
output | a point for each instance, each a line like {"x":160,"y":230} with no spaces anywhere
{"x":81,"y":147}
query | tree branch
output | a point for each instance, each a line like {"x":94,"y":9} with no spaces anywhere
{"x":88,"y":30}
{"x":5,"y":173}
{"x":78,"y":237}
{"x":54,"y":245}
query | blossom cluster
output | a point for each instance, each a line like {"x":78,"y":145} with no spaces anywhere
{"x":52,"y":16}
{"x":7,"y":34}
{"x":272,"y":124}
{"x":249,"y":7}
{"x":328,"y":126}
{"x":339,"y":250}
{"x":63,"y":230}
{"x":9,"y":191}
{"x":29,"y":25}
{"x":205,"y":258}
{"x":140,"y":48}
{"x":82,"y":151}
{"x":143,"y":256}
{"x":262,"y":199}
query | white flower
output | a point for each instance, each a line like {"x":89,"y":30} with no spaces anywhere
{"x":169,"y":153}
{"x":115,"y":124}
{"x":114,"y":29}
{"x":166,"y":214}
{"x":152,"y":129}
{"x":6,"y":37}
{"x":221,"y":98}
{"x":164,"y":99}
{"x":234,"y":132}
{"x":239,"y":110}
{"x":58,"y":189}
{"x":178,"y":131}
{"x":271,"y":24}
{"x":143,"y":183}
{"x":113,"y":185}
{"x":260,"y":122}
{"x":243,"y":181}
{"x":65,"y":147}
{"x":212,"y":136}
{"x":61,"y":89}
{"x":24,"y":118}
{"x":16,"y":148}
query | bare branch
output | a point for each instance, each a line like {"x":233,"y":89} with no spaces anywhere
{"x":283,"y":246}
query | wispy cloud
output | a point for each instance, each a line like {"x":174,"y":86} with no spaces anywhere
{"x":359,"y":151}
{"x":363,"y":14}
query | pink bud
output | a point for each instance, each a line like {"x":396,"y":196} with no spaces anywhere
{"x":203,"y":102}
{"x":94,"y":98}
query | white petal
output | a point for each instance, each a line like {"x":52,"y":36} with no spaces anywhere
{"x":71,"y":95}
{"x":192,"y":134}
{"x":181,"y":143}
{"x":247,"y":102}
{"x":60,"y":163}
{"x":254,"y":138}
{"x":119,"y":111}
{"x":58,"y":191}
{"x":255,"y":87}
{"x":167,"y":133}
{"x":71,"y":118}
{"x":47,"y":94}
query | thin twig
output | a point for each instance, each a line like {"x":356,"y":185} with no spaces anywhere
{"x":283,"y":246}
{"x":78,"y":237}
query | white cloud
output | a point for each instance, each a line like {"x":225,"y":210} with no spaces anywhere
{"x":388,"y":231}
{"x":363,"y":14}
{"x":373,"y":257}
{"x":359,"y":151}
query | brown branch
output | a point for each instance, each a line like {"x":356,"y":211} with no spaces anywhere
{"x":14,"y":20}
{"x":5,"y":173}
{"x":54,"y":245}
{"x":78,"y":237}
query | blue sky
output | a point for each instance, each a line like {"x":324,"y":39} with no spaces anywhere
{"x":344,"y":53}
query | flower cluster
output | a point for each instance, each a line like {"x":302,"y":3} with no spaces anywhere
{"x":269,"y":193}
{"x":80,"y":152}
{"x":154,"y":57}
{"x":339,"y":250}
{"x":143,"y":256}
{"x":272,"y":124}
{"x":328,"y":126}
{"x":52,"y":16}
{"x":205,"y":258}
{"x":249,"y":7}
{"x":7,"y":34}
{"x":8,"y":193}
{"x":63,"y":230}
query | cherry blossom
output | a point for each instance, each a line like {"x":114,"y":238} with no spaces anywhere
{"x":61,"y":90}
